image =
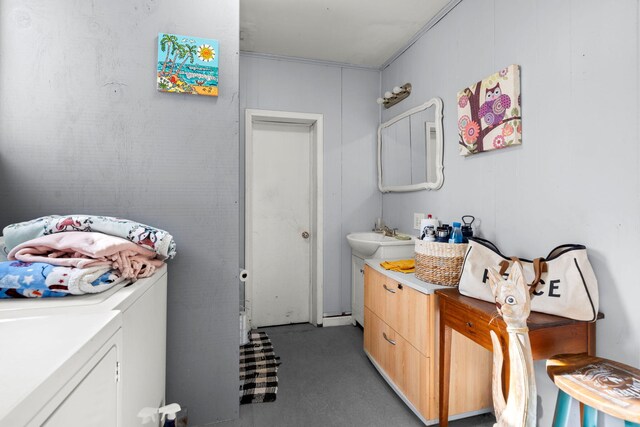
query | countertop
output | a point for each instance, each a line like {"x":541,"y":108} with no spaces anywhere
{"x":40,"y":354}
{"x":409,"y":280}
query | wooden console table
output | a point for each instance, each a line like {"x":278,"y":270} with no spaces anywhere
{"x":549,"y":335}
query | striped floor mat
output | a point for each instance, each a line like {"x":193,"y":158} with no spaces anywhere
{"x":258,"y":369}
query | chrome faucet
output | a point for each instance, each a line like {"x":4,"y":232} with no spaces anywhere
{"x":380,"y":227}
{"x":388,"y":231}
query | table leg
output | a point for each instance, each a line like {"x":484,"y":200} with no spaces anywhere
{"x":591,"y":338}
{"x":445,"y":373}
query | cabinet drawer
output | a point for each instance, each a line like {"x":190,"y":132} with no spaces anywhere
{"x":372,"y":298}
{"x":378,"y":341}
{"x":407,"y":368}
{"x":407,"y":311}
{"x":475,"y":326}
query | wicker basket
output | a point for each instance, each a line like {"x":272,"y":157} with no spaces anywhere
{"x":439,"y":263}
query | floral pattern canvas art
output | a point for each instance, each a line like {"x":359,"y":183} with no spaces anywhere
{"x":489,"y":113}
{"x":187,"y":65}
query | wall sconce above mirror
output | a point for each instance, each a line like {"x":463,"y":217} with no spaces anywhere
{"x":392,"y":98}
{"x":410,"y":150}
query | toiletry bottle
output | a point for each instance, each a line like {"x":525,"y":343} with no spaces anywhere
{"x":170,"y":421}
{"x":442,"y":234}
{"x":467,"y":230}
{"x":170,"y":412}
{"x":429,"y":234}
{"x":456,"y":234}
{"x":428,"y":221}
{"x":433,"y":221}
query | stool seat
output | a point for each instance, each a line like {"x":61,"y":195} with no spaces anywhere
{"x":605,"y":385}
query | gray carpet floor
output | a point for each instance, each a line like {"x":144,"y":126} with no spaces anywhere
{"x":326,"y":380}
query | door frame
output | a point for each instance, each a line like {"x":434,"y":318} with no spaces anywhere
{"x":316,"y":125}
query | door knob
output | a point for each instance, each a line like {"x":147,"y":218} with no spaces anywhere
{"x":305,"y":234}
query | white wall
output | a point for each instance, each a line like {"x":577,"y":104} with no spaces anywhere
{"x":576,"y":178}
{"x":346,"y":97}
{"x":84,"y":130}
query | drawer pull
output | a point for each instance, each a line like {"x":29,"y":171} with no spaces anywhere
{"x":469,"y":324}
{"x":388,"y":290}
{"x":392,"y":342}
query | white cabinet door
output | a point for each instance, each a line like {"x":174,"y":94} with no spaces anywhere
{"x":357,"y":294}
{"x":144,"y":353}
{"x":94,"y":402}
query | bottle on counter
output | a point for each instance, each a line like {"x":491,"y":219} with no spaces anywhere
{"x":449,"y":228}
{"x":442,"y":234}
{"x":429,"y":234}
{"x":467,"y":229}
{"x":433,"y":221}
{"x":456,"y":234}
{"x":428,"y":221}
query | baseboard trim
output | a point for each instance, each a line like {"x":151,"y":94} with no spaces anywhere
{"x":336,"y":321}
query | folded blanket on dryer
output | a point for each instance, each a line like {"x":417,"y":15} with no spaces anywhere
{"x":87,"y":249}
{"x":154,"y":239}
{"x":39,"y":280}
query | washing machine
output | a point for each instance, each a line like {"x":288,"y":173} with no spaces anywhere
{"x":143,"y":305}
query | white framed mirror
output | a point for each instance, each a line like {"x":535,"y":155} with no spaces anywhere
{"x":410,"y":150}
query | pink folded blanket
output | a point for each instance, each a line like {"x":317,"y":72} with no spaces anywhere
{"x":88,"y":249}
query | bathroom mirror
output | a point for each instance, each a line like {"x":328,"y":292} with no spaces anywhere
{"x":410,"y":150}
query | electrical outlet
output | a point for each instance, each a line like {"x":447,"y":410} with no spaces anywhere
{"x":417,"y":217}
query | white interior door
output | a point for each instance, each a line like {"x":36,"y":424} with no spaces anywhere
{"x":280,"y":230}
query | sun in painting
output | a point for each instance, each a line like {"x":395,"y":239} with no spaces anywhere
{"x":206,"y":53}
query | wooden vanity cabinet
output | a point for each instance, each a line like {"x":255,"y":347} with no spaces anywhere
{"x":400,"y":337}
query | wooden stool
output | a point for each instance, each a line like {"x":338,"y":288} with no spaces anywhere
{"x":600,"y":384}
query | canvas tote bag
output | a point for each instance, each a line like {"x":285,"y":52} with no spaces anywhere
{"x":565,"y":284}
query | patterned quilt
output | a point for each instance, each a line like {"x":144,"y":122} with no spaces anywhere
{"x":155,"y":239}
{"x":37,"y":280}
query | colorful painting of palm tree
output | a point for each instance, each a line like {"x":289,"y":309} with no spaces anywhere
{"x":187,"y":65}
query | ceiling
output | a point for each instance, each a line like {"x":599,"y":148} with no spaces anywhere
{"x":359,"y":32}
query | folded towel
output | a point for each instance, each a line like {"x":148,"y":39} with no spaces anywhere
{"x":154,"y":239}
{"x":82,"y":249}
{"x":404,"y":265}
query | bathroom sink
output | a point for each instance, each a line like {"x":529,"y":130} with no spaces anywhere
{"x":375,"y":245}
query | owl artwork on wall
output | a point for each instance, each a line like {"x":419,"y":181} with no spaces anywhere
{"x":495,"y":105}
{"x":489,"y":116}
